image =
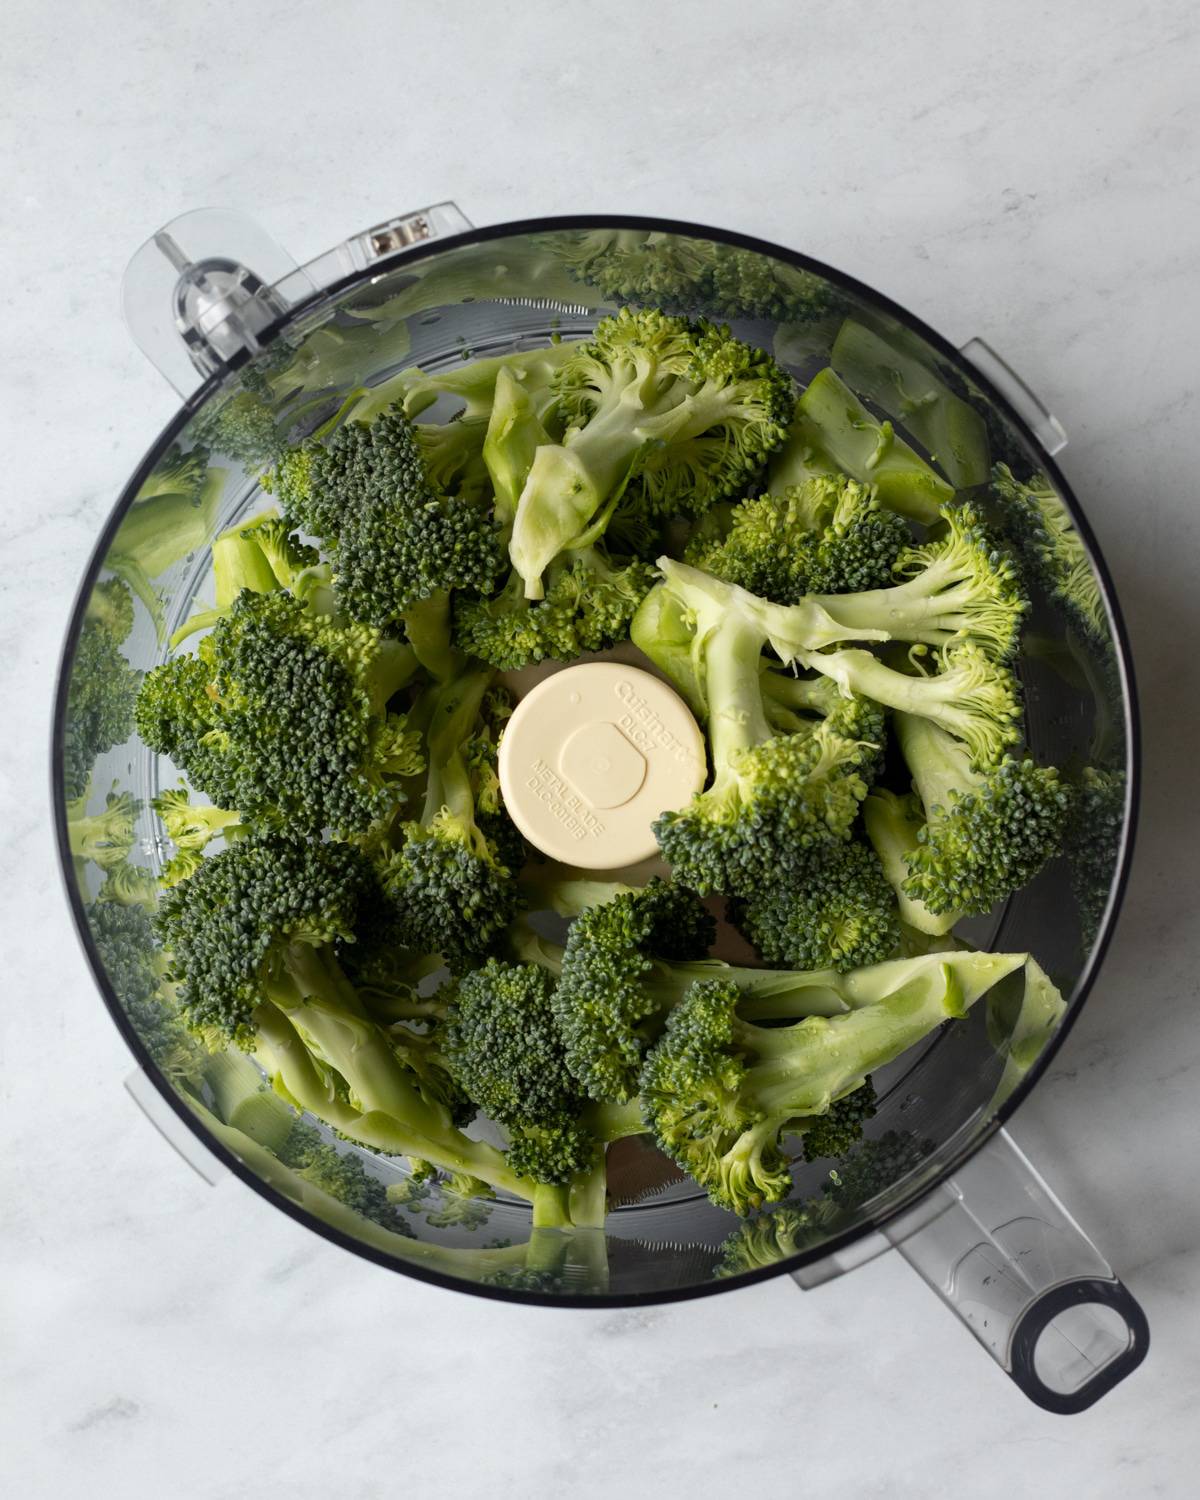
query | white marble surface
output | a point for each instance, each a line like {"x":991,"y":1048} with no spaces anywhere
{"x":1025,"y":172}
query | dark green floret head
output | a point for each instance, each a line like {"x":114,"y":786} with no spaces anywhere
{"x":228,"y":925}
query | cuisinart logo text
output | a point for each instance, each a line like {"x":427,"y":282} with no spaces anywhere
{"x":646,"y":729}
{"x":562,"y":803}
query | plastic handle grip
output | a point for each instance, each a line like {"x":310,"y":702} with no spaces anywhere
{"x":1004,"y":1254}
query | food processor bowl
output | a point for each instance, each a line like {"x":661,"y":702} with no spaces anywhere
{"x":261,"y":351}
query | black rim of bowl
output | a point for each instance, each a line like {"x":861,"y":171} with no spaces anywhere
{"x":955,"y":1160}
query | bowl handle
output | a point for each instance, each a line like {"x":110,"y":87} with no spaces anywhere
{"x":1005,"y":1255}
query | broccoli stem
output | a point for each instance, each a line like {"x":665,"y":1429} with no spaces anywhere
{"x":894,"y":829}
{"x":455,"y":711}
{"x":925,"y":608}
{"x":736,"y":714}
{"x":309,"y":999}
{"x":427,"y":626}
{"x":940,"y":764}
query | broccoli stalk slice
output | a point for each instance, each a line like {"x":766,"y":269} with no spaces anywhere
{"x":514,"y":434}
{"x":833,"y":431}
{"x":907,"y":389}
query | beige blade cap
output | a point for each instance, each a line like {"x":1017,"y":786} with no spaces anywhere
{"x":592,"y":756}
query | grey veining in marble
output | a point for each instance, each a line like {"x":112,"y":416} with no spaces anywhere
{"x":1025,"y":172}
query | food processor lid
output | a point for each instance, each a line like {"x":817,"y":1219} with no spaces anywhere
{"x":209,"y":292}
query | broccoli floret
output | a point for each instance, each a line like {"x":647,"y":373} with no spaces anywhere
{"x":130,"y":885}
{"x":341,"y":1174}
{"x":105,"y":837}
{"x":588,"y":604}
{"x":102,"y":688}
{"x":131,"y":959}
{"x":894,"y":824}
{"x":840,"y":913}
{"x":603,"y":999}
{"x":243,"y":426}
{"x":832,"y":432}
{"x":395,"y":538}
{"x":503,"y":1044}
{"x":828,"y":535}
{"x":667,"y":270}
{"x":987,"y":830}
{"x":455,"y":896}
{"x":768,"y":1238}
{"x":720,"y":1093}
{"x":961,"y":587}
{"x":1041,"y":527}
{"x":837,"y":1131}
{"x":1093,"y":843}
{"x":252,"y":942}
{"x":774,"y":798}
{"x":174,"y":514}
{"x":192,"y":825}
{"x":675,"y":414}
{"x":970,"y":696}
{"x":282,"y":714}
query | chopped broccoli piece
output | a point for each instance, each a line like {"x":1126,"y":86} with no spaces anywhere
{"x":454,"y":894}
{"x":987,"y":831}
{"x":900,"y":381}
{"x":828,"y":535}
{"x":102,"y":688}
{"x":395,"y":538}
{"x":774,"y":798}
{"x":104,"y":837}
{"x":720,"y":1093}
{"x":676,"y":414}
{"x":282,"y":714}
{"x":840,"y":913}
{"x":832,"y":432}
{"x":1093,"y":842}
{"x":1041,"y":527}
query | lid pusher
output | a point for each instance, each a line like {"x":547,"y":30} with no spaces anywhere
{"x":592,"y":756}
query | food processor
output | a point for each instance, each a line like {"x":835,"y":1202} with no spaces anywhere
{"x":259,"y":348}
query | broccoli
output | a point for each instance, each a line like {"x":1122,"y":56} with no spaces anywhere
{"x":1041,"y":527}
{"x":1093,"y":842}
{"x":960,"y":587}
{"x":719,"y":1093}
{"x":900,"y":380}
{"x":172,"y":515}
{"x":130,"y":957}
{"x":828,"y":535}
{"x":676,"y":415}
{"x":282,"y":714}
{"x":397,"y":541}
{"x":252,"y":942}
{"x":130,"y":885}
{"x":832,"y":432}
{"x":341,"y":1174}
{"x":502,"y":1042}
{"x":774,"y":798}
{"x":1023,"y":1012}
{"x":971,"y":697}
{"x":261,"y":555}
{"x":666,"y":270}
{"x":983,"y":831}
{"x":102,"y":686}
{"x":104,"y":837}
{"x":630,"y":957}
{"x":840,"y":913}
{"x":455,"y":895}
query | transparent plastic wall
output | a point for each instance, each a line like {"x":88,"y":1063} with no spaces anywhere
{"x":910,"y":410}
